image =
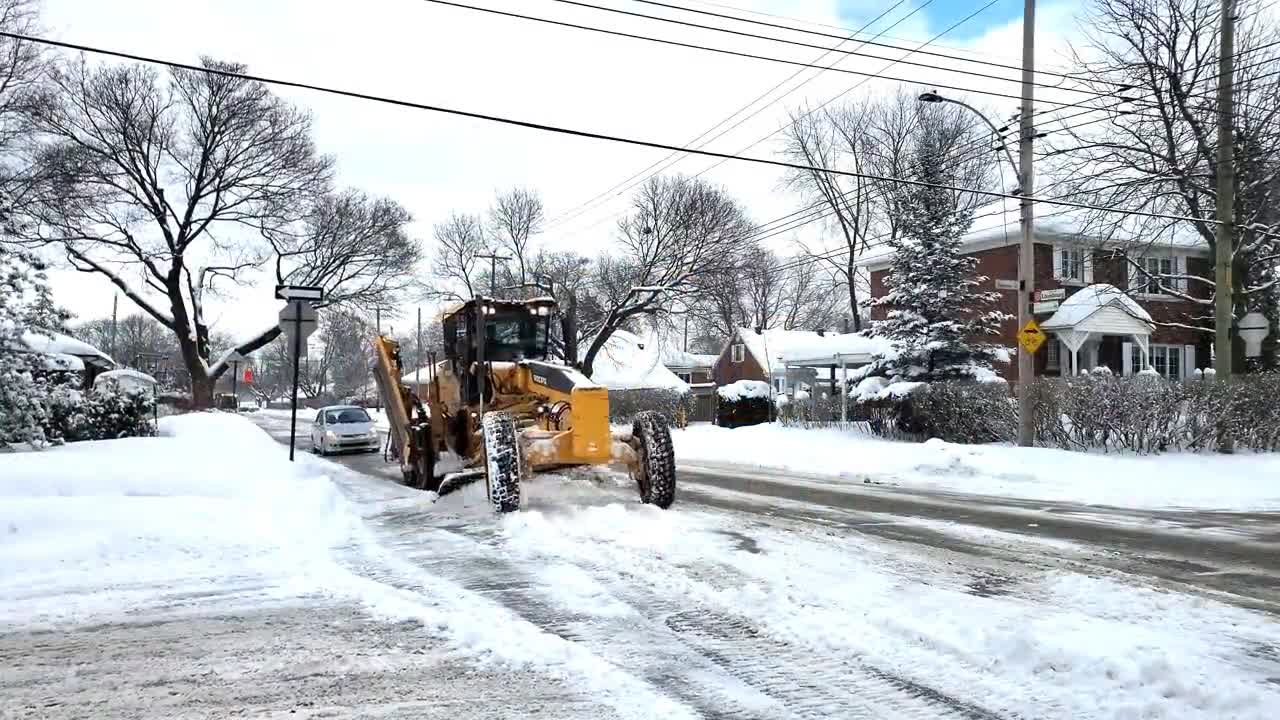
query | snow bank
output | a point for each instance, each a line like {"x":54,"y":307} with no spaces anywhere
{"x":1234,"y":482}
{"x":744,"y":390}
{"x":100,"y":526}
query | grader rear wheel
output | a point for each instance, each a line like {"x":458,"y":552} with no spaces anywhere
{"x":503,"y":461}
{"x":655,"y":468}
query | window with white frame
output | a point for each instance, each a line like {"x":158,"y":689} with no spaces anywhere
{"x":1165,"y":360}
{"x":1153,"y":272}
{"x":1071,"y":264}
{"x":737,"y":352}
{"x":1053,"y":354}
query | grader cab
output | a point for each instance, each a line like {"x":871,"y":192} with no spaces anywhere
{"x":498,"y":401}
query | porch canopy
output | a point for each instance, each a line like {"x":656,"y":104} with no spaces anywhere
{"x":1098,"y":310}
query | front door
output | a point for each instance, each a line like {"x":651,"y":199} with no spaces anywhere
{"x":1111,"y":353}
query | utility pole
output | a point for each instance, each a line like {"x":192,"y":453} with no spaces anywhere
{"x":1223,"y":304}
{"x":493,"y":259}
{"x":115,"y":303}
{"x":1026,"y":252}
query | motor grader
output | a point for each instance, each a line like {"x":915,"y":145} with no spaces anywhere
{"x":498,"y":401}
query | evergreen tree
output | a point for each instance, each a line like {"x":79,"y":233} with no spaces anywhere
{"x":26,"y":305}
{"x":936,"y":314}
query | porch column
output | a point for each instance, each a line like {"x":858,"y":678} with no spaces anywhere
{"x":1143,"y":342}
{"x":1074,"y":340}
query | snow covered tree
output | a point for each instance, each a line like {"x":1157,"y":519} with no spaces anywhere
{"x":25,"y":306}
{"x":936,"y":314}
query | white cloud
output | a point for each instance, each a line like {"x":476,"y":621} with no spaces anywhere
{"x":450,"y":57}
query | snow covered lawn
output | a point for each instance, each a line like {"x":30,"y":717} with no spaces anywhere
{"x":212,"y":503}
{"x":1211,"y":482}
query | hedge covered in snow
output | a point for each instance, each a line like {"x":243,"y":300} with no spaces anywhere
{"x":1148,"y":414}
{"x":956,"y":411}
{"x":105,"y":413}
{"x":742,"y":403}
{"x":624,"y":405}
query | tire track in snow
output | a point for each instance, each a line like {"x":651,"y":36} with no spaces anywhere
{"x":799,"y":681}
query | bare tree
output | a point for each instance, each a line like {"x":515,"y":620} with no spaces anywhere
{"x":163,"y":187}
{"x":455,"y":266}
{"x":21,"y":67}
{"x":1158,"y":152}
{"x":679,"y":230}
{"x":875,"y":136}
{"x":516,"y":216}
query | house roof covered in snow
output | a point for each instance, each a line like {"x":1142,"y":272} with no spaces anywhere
{"x":627,"y":362}
{"x":998,"y":224}
{"x":807,"y":347}
{"x":1087,"y":301}
{"x":48,"y":342}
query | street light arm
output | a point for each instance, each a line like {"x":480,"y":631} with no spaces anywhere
{"x":935,"y":98}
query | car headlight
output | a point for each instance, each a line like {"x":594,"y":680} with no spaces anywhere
{"x":330,"y":436}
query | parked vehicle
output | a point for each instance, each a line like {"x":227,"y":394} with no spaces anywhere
{"x":343,"y":428}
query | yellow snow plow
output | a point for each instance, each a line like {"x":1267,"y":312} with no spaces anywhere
{"x":497,"y":402}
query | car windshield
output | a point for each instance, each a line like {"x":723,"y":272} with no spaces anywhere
{"x":346,"y":415}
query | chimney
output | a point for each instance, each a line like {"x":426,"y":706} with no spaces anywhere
{"x":758,"y":329}
{"x":822,"y":332}
{"x":845,"y":322}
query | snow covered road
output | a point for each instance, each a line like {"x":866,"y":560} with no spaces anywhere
{"x":587,"y":604}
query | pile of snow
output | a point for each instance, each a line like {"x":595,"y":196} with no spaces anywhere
{"x":744,"y":390}
{"x":626,"y":362}
{"x":848,"y":456}
{"x":110,"y":525}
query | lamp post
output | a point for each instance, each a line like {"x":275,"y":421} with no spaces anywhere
{"x":1026,"y":250}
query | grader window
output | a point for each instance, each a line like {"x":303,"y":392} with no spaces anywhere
{"x":514,"y":336}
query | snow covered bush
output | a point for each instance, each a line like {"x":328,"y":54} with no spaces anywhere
{"x":1148,"y":414}
{"x":936,"y":312}
{"x":742,"y":403}
{"x":105,"y":413}
{"x":624,"y":405}
{"x":959,"y":411}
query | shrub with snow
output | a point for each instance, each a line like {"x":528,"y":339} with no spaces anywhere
{"x":741,"y":403}
{"x":1148,"y":414}
{"x":624,"y":405}
{"x":105,"y":413}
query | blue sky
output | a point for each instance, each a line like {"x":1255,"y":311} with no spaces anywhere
{"x":941,"y":14}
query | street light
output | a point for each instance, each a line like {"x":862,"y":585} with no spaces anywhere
{"x":933,"y":97}
{"x":1026,"y":251}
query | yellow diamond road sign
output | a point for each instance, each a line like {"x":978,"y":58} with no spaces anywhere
{"x":1031,"y":337}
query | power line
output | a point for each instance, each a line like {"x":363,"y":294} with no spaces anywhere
{"x":557,"y":129}
{"x":852,"y":53}
{"x":578,"y":210}
{"x":846,"y":91}
{"x":890,"y":46}
{"x":721,"y":51}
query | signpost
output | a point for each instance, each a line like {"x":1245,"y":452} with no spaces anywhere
{"x":1006,"y":284}
{"x":297,"y":321}
{"x":1031,"y":337}
{"x":1047,"y":295}
{"x":235,"y":358}
{"x":1044,"y":307}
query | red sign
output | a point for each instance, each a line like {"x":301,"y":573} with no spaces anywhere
{"x":248,"y":375}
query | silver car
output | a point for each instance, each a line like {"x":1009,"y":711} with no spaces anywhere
{"x":341,"y":428}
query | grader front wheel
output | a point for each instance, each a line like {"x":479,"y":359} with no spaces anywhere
{"x":503,"y":464}
{"x":655,"y":468}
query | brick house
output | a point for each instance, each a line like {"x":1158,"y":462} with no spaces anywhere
{"x":1122,"y":328}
